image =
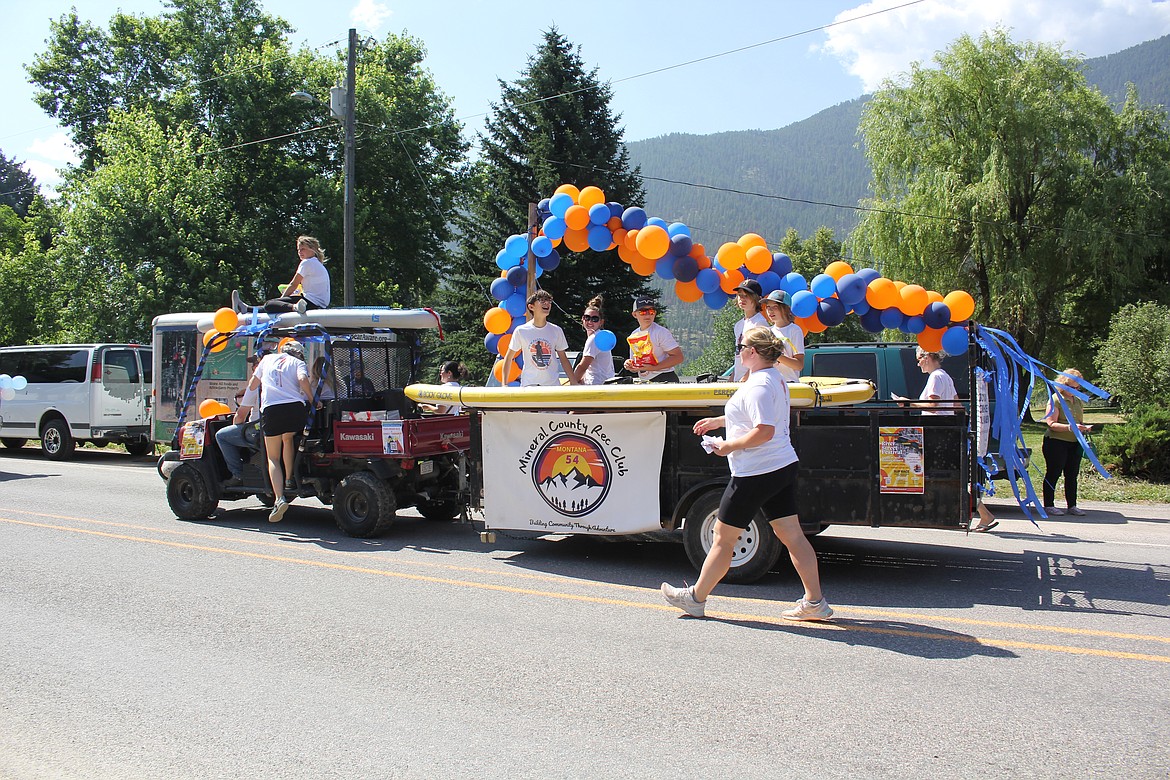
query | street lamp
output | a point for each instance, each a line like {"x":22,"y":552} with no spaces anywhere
{"x":341,"y":100}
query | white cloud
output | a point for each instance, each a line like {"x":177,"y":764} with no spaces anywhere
{"x":370,"y":15}
{"x":46,"y":155}
{"x":885,"y":44}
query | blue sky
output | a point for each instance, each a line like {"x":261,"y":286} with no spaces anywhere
{"x":754,"y":64}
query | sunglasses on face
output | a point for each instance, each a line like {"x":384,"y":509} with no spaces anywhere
{"x":646,"y":311}
{"x":591,"y":317}
{"x":740,"y":348}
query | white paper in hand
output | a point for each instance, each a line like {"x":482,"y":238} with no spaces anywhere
{"x":709,"y":443}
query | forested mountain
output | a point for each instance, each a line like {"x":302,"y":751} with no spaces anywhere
{"x":797,"y":171}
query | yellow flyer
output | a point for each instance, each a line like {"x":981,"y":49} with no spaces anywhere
{"x":900,"y":455}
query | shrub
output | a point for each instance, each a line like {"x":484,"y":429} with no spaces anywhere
{"x":1140,"y":447}
{"x":1134,"y":359}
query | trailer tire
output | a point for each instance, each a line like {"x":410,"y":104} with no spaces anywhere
{"x":438,"y":511}
{"x":363,"y":506}
{"x":755,"y":555}
{"x":56,"y":440}
{"x":13,"y":443}
{"x":189,"y":493}
{"x":139,"y":448}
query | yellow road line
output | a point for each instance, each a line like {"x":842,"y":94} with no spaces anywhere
{"x":843,"y":626}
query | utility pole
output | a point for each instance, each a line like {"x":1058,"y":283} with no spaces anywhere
{"x":347,"y":252}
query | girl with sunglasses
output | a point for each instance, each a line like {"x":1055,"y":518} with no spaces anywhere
{"x":595,"y":365}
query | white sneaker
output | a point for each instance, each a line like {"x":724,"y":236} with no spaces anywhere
{"x":684,"y":599}
{"x":1052,"y":511}
{"x":809,"y":610}
{"x":238,"y":304}
{"x":278,"y":510}
{"x":302,"y":306}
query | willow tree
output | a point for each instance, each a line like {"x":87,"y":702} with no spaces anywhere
{"x":1002,"y":172}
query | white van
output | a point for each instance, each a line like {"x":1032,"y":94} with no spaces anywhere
{"x":78,"y":392}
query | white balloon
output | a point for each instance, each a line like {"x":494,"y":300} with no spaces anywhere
{"x":19,"y":383}
{"x":5,"y":381}
{"x":7,"y":394}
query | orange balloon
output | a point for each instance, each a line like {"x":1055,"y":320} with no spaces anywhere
{"x":615,"y":224}
{"x":703,"y":261}
{"x":225,"y":320}
{"x":653,"y":241}
{"x":838,"y":268}
{"x":497,"y":320}
{"x":627,"y":255}
{"x":899,"y":285}
{"x":815,"y":325}
{"x":209,"y":407}
{"x":731,"y":279}
{"x":961,"y":304}
{"x":913,"y":301}
{"x":577,"y":217}
{"x":758,"y":259}
{"x":688,"y":292}
{"x":590,"y":196}
{"x":632,"y":240}
{"x":731,"y":256}
{"x":881,"y":293}
{"x":698,"y":251}
{"x":748,"y":240}
{"x":933,"y":296}
{"x":644,"y":266}
{"x":931,"y":339}
{"x":513,"y":371}
{"x":573,"y":192}
{"x":502,"y":344}
{"x":577,"y":240}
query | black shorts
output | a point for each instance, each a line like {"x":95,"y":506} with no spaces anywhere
{"x":284,"y":418}
{"x":774,"y":492}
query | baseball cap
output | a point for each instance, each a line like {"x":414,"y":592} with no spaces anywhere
{"x":780,"y":296}
{"x":751,"y":286}
{"x":645,"y":303}
{"x":293,"y":348}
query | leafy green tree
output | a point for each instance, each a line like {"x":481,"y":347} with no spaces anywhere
{"x":812,"y":256}
{"x":17,"y":186}
{"x":553,"y":125}
{"x":1134,"y":359}
{"x":1000,"y":171}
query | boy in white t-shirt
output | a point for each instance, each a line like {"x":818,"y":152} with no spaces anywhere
{"x":654,"y":352}
{"x":538,"y":340}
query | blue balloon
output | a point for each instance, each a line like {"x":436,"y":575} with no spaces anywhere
{"x":516,"y":246}
{"x":678,"y":229}
{"x":599,"y":214}
{"x":516,"y":303}
{"x":600,"y":237}
{"x":861,"y":308}
{"x":891,"y":318}
{"x":659,"y":221}
{"x":558,"y":204}
{"x":872,"y":320}
{"x":538,"y":271}
{"x":868,"y":274}
{"x":823,"y":286}
{"x":851,"y":289}
{"x":550,"y":261}
{"x":504,"y":261}
{"x":831,"y":312}
{"x":708,"y":280}
{"x":937,"y":315}
{"x":615,"y":209}
{"x":605,"y":340}
{"x":685,"y":269}
{"x":542,"y":207}
{"x":517,"y":277}
{"x":716,"y":300}
{"x":664,"y":267}
{"x":769,"y":281}
{"x":541,"y":246}
{"x":804,"y":303}
{"x":793,"y":283}
{"x":681,"y":245}
{"x":517,"y":321}
{"x":501,"y":288}
{"x":781,"y":264}
{"x":914,"y":325}
{"x":954,"y":341}
{"x":634,"y":218}
{"x":491,"y":342}
{"x":554,"y":228}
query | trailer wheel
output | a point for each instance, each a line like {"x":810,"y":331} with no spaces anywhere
{"x":139,"y":448}
{"x":56,"y":440}
{"x":438,"y":511}
{"x":13,"y":443}
{"x":363,"y":506}
{"x":189,"y":494}
{"x":755,"y":554}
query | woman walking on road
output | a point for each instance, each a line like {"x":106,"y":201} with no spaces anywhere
{"x":763,"y":476}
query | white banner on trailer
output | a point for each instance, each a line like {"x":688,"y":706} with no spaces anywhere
{"x":567,"y":473}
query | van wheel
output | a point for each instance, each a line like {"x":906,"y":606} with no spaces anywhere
{"x":438,"y":511}
{"x":189,"y":495}
{"x":56,"y":440}
{"x":363,"y":506}
{"x":139,"y":448}
{"x":13,"y":444}
{"x":755,"y":554}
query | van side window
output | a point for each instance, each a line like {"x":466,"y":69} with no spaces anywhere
{"x":146,"y":356}
{"x":855,"y":365}
{"x":119,"y":366}
{"x":48,"y":366}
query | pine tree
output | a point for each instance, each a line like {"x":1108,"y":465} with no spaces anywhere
{"x":552,"y":126}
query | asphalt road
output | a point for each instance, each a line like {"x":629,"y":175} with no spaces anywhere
{"x":133,"y":645}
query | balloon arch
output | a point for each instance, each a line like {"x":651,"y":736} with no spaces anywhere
{"x":581,"y":219}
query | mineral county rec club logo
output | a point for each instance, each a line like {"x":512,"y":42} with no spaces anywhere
{"x":572,"y":474}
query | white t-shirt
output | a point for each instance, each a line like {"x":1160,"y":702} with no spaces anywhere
{"x":761,"y":400}
{"x":793,"y":345}
{"x":449,"y":408}
{"x":251,"y":397}
{"x":601,"y":368}
{"x":939,"y":383}
{"x":649,"y":347}
{"x":539,"y":346}
{"x":314,"y":281}
{"x":279,"y":379}
{"x":757,"y":320}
